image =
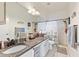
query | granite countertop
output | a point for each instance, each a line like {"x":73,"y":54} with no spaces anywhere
{"x":30,"y":44}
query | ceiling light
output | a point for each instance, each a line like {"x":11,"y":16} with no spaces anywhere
{"x":29,"y":11}
{"x":33,"y":10}
{"x":37,"y":13}
{"x":33,"y":13}
{"x":7,"y":20}
{"x":29,"y":7}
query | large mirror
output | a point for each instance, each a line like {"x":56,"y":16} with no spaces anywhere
{"x":16,"y":17}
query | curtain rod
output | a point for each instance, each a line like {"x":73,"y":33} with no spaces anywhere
{"x":55,"y":20}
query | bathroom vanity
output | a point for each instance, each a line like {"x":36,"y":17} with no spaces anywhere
{"x":39,"y":50}
{"x":37,"y":47}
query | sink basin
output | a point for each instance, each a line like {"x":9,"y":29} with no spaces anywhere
{"x":51,"y":42}
{"x":14,"y":49}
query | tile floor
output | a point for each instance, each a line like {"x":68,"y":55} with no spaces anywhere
{"x":71,"y":52}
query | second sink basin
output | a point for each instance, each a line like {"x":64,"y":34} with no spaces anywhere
{"x":14,"y":49}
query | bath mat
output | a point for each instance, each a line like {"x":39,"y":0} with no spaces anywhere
{"x":62,"y":50}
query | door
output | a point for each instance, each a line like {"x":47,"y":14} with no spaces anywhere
{"x":62,"y":36}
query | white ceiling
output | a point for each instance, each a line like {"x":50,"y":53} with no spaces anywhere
{"x":46,"y":9}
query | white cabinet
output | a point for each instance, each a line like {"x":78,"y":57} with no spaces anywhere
{"x":44,"y":48}
{"x":37,"y":50}
{"x":29,"y":53}
{"x":41,"y":49}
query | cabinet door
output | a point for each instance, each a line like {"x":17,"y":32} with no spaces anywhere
{"x":37,"y":50}
{"x":2,"y":13}
{"x":29,"y":53}
{"x":44,"y":48}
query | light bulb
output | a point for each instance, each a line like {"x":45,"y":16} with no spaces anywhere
{"x":37,"y":13}
{"x":33,"y":13}
{"x":33,"y":10}
{"x":29,"y":11}
{"x":7,"y":20}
